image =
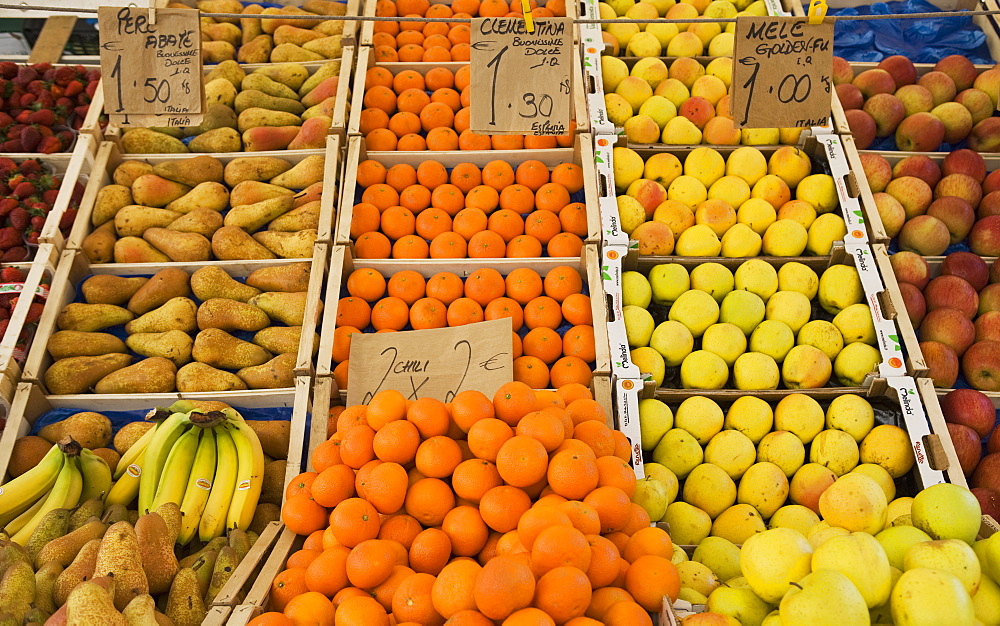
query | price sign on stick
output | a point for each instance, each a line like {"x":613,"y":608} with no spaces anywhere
{"x":152,"y":71}
{"x":438,"y":363}
{"x":781,"y":72}
{"x":521,"y":80}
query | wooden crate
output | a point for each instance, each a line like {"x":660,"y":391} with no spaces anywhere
{"x":581,"y":153}
{"x":342,"y":259}
{"x":826,"y":149}
{"x":986,"y":23}
{"x":351,"y":27}
{"x":892,"y":307}
{"x":74,"y":267}
{"x":901,"y":356}
{"x":114,"y":133}
{"x":366,"y":60}
{"x":109,"y":157}
{"x":39,"y":277}
{"x":868,"y":199}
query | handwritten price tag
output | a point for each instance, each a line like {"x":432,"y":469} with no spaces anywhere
{"x":438,"y":363}
{"x":151,"y":69}
{"x":520,"y":80}
{"x":781,"y":75}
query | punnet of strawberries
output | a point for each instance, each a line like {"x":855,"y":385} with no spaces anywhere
{"x":43,"y":105}
{"x":12,"y":279}
{"x":28,"y":191}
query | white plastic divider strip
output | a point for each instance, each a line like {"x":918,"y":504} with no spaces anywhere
{"x":917,"y":427}
{"x":611,"y":232}
{"x":887,"y":335}
{"x":626,"y":403}
{"x":840,"y":169}
{"x":611,"y":276}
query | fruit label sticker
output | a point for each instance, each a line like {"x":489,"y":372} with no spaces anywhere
{"x":781,"y":75}
{"x":435,"y":363}
{"x":152,"y":71}
{"x":521,"y":81}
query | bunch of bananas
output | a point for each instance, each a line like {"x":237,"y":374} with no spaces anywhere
{"x":210,"y":463}
{"x":66,"y":476}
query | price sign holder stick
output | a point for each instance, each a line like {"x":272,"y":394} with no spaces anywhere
{"x":817,"y":11}
{"x":529,"y":22}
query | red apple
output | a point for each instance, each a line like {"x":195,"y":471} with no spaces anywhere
{"x":993,"y":443}
{"x":971,"y":408}
{"x":961,"y":185}
{"x":850,"y":96}
{"x":956,"y":214}
{"x":984,"y":238}
{"x":878,"y":172}
{"x":960,"y":69}
{"x":941,"y":363}
{"x":900,"y":68}
{"x":910,"y":267}
{"x":919,"y":166}
{"x":992,"y":182}
{"x":989,"y":298}
{"x":913,"y":302}
{"x":863,"y":127}
{"x":966,"y":162}
{"x":981,"y":365}
{"x":989,"y":205}
{"x":995,"y":271}
{"x":920,"y":132}
{"x":988,"y":326}
{"x":950,"y":327}
{"x":969,"y":266}
{"x":988,"y":472}
{"x":952,"y":291}
{"x":968,"y":447}
{"x":842,"y":71}
{"x":989,"y":501}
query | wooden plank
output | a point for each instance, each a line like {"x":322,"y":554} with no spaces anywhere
{"x":229,"y":594}
{"x":256,"y":600}
{"x":298,"y":436}
{"x":333,"y":182}
{"x":313,"y":311}
{"x":52,"y":40}
{"x":932,"y":408}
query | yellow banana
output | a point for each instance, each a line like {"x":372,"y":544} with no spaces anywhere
{"x":96,"y":476}
{"x":199,"y":486}
{"x":137,"y":448}
{"x":126,"y":488}
{"x":156,"y":456}
{"x":250,"y":476}
{"x":65,"y":494}
{"x":213,"y":519}
{"x":18,"y":522}
{"x":177,"y":469}
{"x":20,"y":493}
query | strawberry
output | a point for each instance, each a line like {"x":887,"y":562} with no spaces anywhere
{"x":15,"y":254}
{"x":11,"y":275}
{"x":81,"y":111}
{"x":48,"y":145}
{"x":25,"y":189}
{"x":67,"y":219}
{"x":30,"y":166}
{"x":27,"y":100}
{"x":25,"y":75}
{"x":91,"y":88}
{"x":33,"y":236}
{"x":8,"y":69}
{"x":7,"y":205}
{"x":37,"y":221}
{"x":18,"y":218}
{"x":64,"y":75}
{"x":6,"y":299}
{"x":73,"y":88}
{"x":41,"y":67}
{"x":46,"y":117}
{"x":4,"y":314}
{"x":30,"y":138}
{"x":34,"y":312}
{"x":11,"y":145}
{"x":5,"y":119}
{"x":3,"y":327}
{"x":50,"y":195}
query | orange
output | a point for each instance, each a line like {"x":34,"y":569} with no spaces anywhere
{"x":448,"y":96}
{"x":448,"y":197}
{"x":570,"y":369}
{"x":604,"y":598}
{"x":416,"y":198}
{"x":407,"y":285}
{"x":465,"y":527}
{"x":576,"y":309}
{"x":333,"y":485}
{"x":386,"y":590}
{"x":469,"y":221}
{"x":365,"y":217}
{"x":398,"y":222}
{"x":430,"y":551}
{"x":551,"y":197}
{"x":372,"y":245}
{"x":327,"y":574}
{"x":429,"y":500}
{"x":512,"y":401}
{"x":370,"y":173}
{"x":287,"y":585}
{"x":505,"y":307}
{"x":378,"y":77}
{"x":564,"y":245}
{"x":522,"y":461}
{"x":470,"y":406}
{"x":431,"y":174}
{"x":604,"y":558}
{"x":523,"y":285}
{"x":507,"y":142}
{"x":572,"y":474}
{"x":381,"y":195}
{"x":412,"y":143}
{"x":532,"y":174}
{"x":461,"y":52}
{"x":542,"y":427}
{"x":579,"y":342}
{"x":537,"y":519}
{"x":400,"y":528}
{"x":354,"y":520}
{"x":438,"y":78}
{"x":465,"y":176}
{"x":573,"y":219}
{"x":448,"y":245}
{"x":493,"y":8}
{"x":501,"y":507}
{"x":649,"y":578}
{"x":517,"y":198}
{"x":442,"y":138}
{"x":651,"y":540}
{"x":380,"y":97}
{"x":542,"y":226}
{"x":484,"y":285}
{"x":544,"y":343}
{"x":325,"y":455}
{"x":584,"y":409}
{"x":539,"y":142}
{"x":483,"y":197}
{"x":382,"y":40}
{"x":595,"y":434}
{"x":342,"y":342}
{"x":558,"y":546}
{"x":370,"y":563}
{"x":612,"y":507}
{"x":615,"y":472}
{"x":524,"y":247}
{"x":404,"y":123}
{"x":563,"y":593}
{"x":430,"y":416}
{"x":413,"y":101}
{"x":464,"y":311}
{"x":385,"y":54}
{"x":626,"y":614}
{"x":569,"y":175}
{"x":411,"y":53}
{"x":437,"y":457}
{"x":432,"y":221}
{"x":408,"y":79}
{"x":473,"y":478}
{"x":487,"y":435}
{"x":504,"y":585}
{"x":469,"y":140}
{"x":445,"y":286}
{"x":563,"y":281}
{"x":542,"y":311}
{"x":436,"y":53}
{"x":428,"y":313}
{"x":396,"y":442}
{"x":498,"y":174}
{"x":356,"y":446}
{"x":531,"y":371}
{"x":623,"y":448}
{"x":453,"y":591}
{"x":385,"y":487}
{"x":302,"y":558}
{"x":463,"y":76}
{"x":412,"y":600}
{"x":410,"y":247}
{"x":366,"y":283}
{"x":530,"y":616}
{"x":507,"y":223}
{"x":271,"y":618}
{"x":302,"y":515}
{"x":412,"y":7}
{"x":486,"y":244}
{"x":310,"y":608}
{"x":362,"y":610}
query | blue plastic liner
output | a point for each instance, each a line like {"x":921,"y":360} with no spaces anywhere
{"x":921,"y":41}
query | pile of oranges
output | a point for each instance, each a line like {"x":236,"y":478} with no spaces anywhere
{"x":498,"y":211}
{"x":414,"y":110}
{"x":513,"y":511}
{"x":411,"y":42}
{"x":551,"y":317}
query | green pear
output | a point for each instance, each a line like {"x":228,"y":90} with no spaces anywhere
{"x":277,"y":373}
{"x":201,"y":377}
{"x":218,"y":348}
{"x":263,"y":83}
{"x":297,"y":245}
{"x":135,"y":250}
{"x":203,"y":222}
{"x":930,"y":596}
{"x":164,"y":285}
{"x":145,"y":141}
{"x":304,"y":173}
{"x":232,"y":243}
{"x":110,"y":199}
{"x":174,"y":345}
{"x":251,"y":99}
{"x":185,"y":606}
{"x":253,"y":217}
{"x":129,"y":170}
{"x":151,"y":375}
{"x":90,"y":317}
{"x":179,"y":246}
{"x":134,"y":220}
{"x":773,"y":559}
{"x":255,"y":168}
{"x":230,"y":70}
{"x":220,"y":91}
{"x":222,"y":139}
{"x":175,"y":314}
{"x":213,"y":282}
{"x":287,"y":308}
{"x":288,"y":278}
{"x":110,"y":289}
{"x":207,"y":195}
{"x":305,"y":217}
{"x":230,"y":315}
{"x":283,"y":339}
{"x":90,"y":604}
{"x":292,"y":75}
{"x":192,"y":171}
{"x":118,"y":558}
{"x":78,"y":374}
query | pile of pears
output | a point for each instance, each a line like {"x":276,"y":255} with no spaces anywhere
{"x":276,"y":107}
{"x":94,"y":566}
{"x":198,"y":209}
{"x":192,"y":332}
{"x":255,"y":40}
